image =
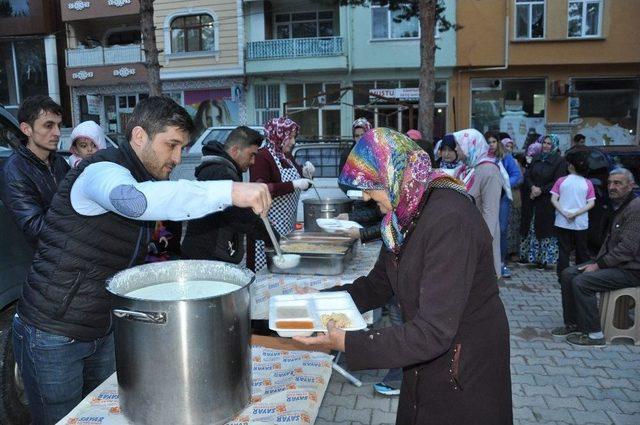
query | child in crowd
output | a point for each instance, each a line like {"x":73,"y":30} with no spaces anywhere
{"x":86,"y":139}
{"x":573,"y":196}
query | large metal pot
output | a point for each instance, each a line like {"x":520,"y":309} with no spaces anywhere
{"x":323,"y":208}
{"x":182,"y":362}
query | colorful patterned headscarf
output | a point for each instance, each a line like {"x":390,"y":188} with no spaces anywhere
{"x":362,"y":123}
{"x":384,"y":159}
{"x":534,"y":148}
{"x":476,"y":150}
{"x":278,"y":131}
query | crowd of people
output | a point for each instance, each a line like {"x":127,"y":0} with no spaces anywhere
{"x":447,"y":233}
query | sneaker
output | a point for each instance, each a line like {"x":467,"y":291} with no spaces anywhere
{"x":506,"y":273}
{"x":565,"y":330}
{"x":583,"y":340}
{"x":384,"y":389}
{"x":541,"y":266}
{"x":522,"y":262}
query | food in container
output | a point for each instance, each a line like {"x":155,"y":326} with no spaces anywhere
{"x":290,"y":315}
{"x":304,"y":247}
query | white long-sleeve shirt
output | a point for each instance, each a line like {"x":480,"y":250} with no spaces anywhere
{"x":107,"y":186}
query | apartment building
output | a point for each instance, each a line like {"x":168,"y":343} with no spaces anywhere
{"x":562,"y":66}
{"x":29,"y":51}
{"x":201,"y":59}
{"x":324,"y":65}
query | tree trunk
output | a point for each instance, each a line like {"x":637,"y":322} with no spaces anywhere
{"x":150,"y":49}
{"x":427,"y":67}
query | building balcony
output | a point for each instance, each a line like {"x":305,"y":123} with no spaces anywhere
{"x":131,"y":53}
{"x":75,"y":10}
{"x":303,"y":54}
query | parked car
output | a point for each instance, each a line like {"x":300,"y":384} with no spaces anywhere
{"x":15,"y":259}
{"x":192,"y":155}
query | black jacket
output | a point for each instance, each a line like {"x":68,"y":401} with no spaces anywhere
{"x":27,"y":187}
{"x":221,"y":236}
{"x":367,"y":214}
{"x":542,"y":173}
{"x":64,"y":292}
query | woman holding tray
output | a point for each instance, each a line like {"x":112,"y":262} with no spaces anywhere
{"x":437,"y":260}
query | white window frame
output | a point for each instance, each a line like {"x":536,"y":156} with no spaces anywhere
{"x":389,"y":23}
{"x":585,"y":3}
{"x":169,"y":54}
{"x":319,"y":108}
{"x":290,"y":22}
{"x":530,"y":4}
{"x":260,"y":111}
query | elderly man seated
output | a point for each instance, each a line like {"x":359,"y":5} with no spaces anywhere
{"x":616,"y":266}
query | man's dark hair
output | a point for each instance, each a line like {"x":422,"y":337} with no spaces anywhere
{"x":502,"y":135}
{"x":578,"y":158}
{"x":578,"y":137}
{"x":243,"y":137}
{"x":33,"y":106}
{"x":154,"y":114}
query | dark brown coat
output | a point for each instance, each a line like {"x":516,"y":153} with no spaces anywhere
{"x":454,"y":344}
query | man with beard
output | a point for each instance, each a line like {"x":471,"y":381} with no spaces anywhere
{"x":616,"y":266}
{"x":99,"y":223}
{"x":31,"y":175}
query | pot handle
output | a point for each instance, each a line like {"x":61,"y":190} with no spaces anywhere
{"x":325,"y":210}
{"x":157,"y":318}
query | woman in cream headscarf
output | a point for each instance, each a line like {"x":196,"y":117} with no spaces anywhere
{"x":484,"y":181}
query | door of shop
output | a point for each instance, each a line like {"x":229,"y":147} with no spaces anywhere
{"x":119,"y":108}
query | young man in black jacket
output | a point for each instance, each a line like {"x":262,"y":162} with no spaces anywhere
{"x":30,"y":176}
{"x":221,"y":236}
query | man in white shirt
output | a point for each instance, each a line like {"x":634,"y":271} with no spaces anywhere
{"x":99,"y":223}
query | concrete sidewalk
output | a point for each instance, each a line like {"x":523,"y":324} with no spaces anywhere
{"x":553,"y":381}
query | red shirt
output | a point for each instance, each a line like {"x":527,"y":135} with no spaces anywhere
{"x":265,"y":170}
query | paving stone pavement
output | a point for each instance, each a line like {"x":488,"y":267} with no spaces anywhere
{"x":553,"y":382}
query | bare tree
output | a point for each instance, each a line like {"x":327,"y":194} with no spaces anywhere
{"x":150,"y":49}
{"x":431,"y":15}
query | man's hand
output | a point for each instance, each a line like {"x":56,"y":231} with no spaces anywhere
{"x":333,"y":339}
{"x":587,"y":268}
{"x":343,"y":216}
{"x":251,"y":195}
{"x":308,"y":170}
{"x":535,"y":192}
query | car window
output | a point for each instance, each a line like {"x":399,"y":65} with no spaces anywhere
{"x":9,"y":134}
{"x":628,"y":161}
{"x":219,"y":135}
{"x":326,"y":158}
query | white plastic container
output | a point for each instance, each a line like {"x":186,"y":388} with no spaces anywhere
{"x":307,"y":309}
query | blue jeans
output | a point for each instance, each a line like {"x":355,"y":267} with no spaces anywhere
{"x":393,"y":378}
{"x":58,"y":371}
{"x":505,"y":210}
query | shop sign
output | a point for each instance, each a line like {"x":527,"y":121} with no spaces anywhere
{"x":82,"y":75}
{"x":124,"y":72}
{"x":93,"y":104}
{"x":407,"y":93}
{"x":79,"y":5}
{"x":118,"y":3}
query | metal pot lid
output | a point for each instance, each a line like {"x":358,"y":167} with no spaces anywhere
{"x":152,"y":274}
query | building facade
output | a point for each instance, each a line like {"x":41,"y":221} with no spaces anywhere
{"x":29,"y":51}
{"x":201,"y":59}
{"x":324,"y":66}
{"x":562,"y":66}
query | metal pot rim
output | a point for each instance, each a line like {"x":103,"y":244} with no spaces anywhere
{"x":151,"y":274}
{"x":314,"y":201}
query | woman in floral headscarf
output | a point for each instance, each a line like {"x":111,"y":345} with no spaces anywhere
{"x":454,"y":342}
{"x":484,"y":181}
{"x":539,"y":243}
{"x":359,"y":127}
{"x":275,"y":166}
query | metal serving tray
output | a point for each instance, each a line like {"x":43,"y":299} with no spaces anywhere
{"x":318,"y":237}
{"x":313,"y":264}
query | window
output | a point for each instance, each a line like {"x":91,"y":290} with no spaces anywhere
{"x":606,"y":110}
{"x":267,"y":102}
{"x":124,"y":37}
{"x":14,"y":8}
{"x":585,"y":18}
{"x":515,"y":106}
{"x":23,"y":70}
{"x":387,"y":24}
{"x":318,"y":116}
{"x":192,"y":33}
{"x":530,"y":18}
{"x":304,"y":24}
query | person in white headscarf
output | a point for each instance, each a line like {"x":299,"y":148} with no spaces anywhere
{"x":86,"y":139}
